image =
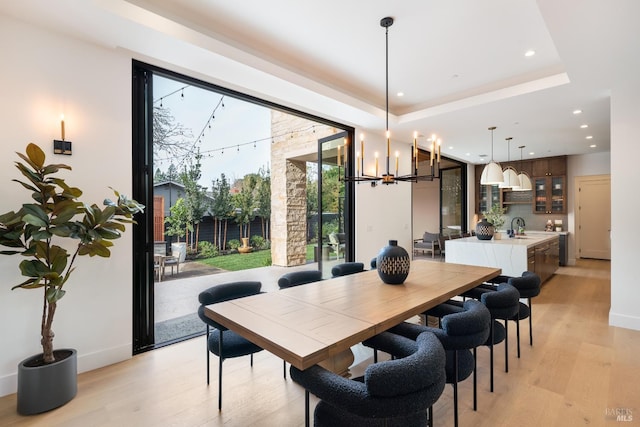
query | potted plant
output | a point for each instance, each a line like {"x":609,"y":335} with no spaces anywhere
{"x":179,"y":225}
{"x":495,"y":215}
{"x":39,"y":232}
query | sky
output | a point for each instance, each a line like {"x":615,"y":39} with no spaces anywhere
{"x":238,"y":141}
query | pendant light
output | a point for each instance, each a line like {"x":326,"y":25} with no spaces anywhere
{"x":509,"y":173}
{"x":492,"y":172}
{"x":523,"y":178}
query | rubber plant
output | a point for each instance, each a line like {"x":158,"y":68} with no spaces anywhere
{"x":39,"y":229}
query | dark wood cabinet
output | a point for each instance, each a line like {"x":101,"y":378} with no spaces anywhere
{"x":549,"y":166}
{"x":549,"y":195}
{"x":545,"y":259}
{"x":486,"y":195}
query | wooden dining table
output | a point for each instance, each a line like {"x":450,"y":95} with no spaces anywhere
{"x":308,"y":324}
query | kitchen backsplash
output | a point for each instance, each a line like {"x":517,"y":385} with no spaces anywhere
{"x":534,"y":222}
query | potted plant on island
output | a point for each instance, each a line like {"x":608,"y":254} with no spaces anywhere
{"x":38,"y":232}
{"x":495,"y":215}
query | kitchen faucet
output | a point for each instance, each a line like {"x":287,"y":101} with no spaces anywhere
{"x":519,"y":222}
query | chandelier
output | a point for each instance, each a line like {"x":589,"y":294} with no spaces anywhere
{"x":388,"y":177}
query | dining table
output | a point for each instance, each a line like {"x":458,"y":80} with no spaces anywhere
{"x":310,"y":324}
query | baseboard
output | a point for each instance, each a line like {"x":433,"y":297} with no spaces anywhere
{"x":86,"y":362}
{"x":624,"y":321}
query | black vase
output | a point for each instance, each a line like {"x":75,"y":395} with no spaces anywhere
{"x":484,"y":230}
{"x":393,"y":263}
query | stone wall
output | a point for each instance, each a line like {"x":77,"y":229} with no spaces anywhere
{"x":294,"y":142}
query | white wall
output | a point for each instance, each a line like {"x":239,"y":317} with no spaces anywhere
{"x":43,"y":75}
{"x":383,"y":212}
{"x":625,"y":205}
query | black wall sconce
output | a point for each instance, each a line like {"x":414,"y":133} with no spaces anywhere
{"x":62,"y":146}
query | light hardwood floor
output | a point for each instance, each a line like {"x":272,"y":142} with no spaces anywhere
{"x":579,"y":372}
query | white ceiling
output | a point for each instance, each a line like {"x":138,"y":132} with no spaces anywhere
{"x":460,"y":63}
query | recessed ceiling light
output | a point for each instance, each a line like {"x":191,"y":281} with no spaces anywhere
{"x":400,"y":93}
{"x":593,"y":146}
{"x":577,"y":111}
{"x":589,"y":137}
{"x":468,"y":154}
{"x":584,"y":126}
{"x":530,"y":52}
{"x":451,"y":147}
{"x":531,"y":153}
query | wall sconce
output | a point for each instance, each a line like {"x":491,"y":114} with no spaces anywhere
{"x":61,"y":146}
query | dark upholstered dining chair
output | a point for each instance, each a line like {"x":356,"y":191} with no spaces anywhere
{"x":297,"y":278}
{"x":221,"y":341}
{"x":392,"y":393}
{"x":347,"y":268}
{"x":463,"y":330}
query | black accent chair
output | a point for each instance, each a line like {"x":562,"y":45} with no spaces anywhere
{"x":528,"y":285}
{"x":503,"y":303}
{"x":393,"y":393}
{"x":297,"y":278}
{"x":463,"y":330}
{"x":221,"y":341}
{"x":347,"y":268}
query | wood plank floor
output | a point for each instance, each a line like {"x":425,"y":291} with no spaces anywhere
{"x":579,"y":371}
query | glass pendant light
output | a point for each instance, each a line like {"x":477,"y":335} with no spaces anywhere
{"x":509,"y":174}
{"x":492,"y":172}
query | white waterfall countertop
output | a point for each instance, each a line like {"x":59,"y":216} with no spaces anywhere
{"x":509,"y":254}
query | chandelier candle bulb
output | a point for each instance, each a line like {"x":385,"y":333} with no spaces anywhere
{"x":346,"y":153}
{"x":433,"y":141}
{"x":339,"y":155}
{"x":358,"y":164}
{"x":439,"y":145}
{"x":62,"y":126}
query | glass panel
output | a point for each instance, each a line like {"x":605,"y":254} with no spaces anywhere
{"x":540,"y":195}
{"x":331,"y":202}
{"x":557,"y":194}
{"x":451,"y":207}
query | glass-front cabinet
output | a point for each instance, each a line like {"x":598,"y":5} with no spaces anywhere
{"x":489,"y":195}
{"x":549,"y":195}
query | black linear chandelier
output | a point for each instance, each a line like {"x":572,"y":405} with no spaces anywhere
{"x":388,"y":177}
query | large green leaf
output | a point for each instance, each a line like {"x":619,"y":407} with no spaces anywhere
{"x":36,"y":155}
{"x":54,"y":294}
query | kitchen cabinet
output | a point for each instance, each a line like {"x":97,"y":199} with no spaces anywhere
{"x":549,"y":195}
{"x":486,"y":195}
{"x":549,"y":166}
{"x":546,"y":257}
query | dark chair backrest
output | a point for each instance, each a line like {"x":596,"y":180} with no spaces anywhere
{"x":402,"y":388}
{"x":528,"y":285}
{"x":502,"y":303}
{"x":467,"y":329}
{"x":225,"y":292}
{"x":347,"y":268}
{"x":296,"y":278}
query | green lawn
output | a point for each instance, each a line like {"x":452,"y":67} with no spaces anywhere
{"x":236,"y":262}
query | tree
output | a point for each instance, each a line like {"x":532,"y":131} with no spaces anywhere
{"x":221,"y":209}
{"x":244,"y":204}
{"x":195,"y":196}
{"x":178,"y":221}
{"x":263,"y":200}
{"x":170,"y":137}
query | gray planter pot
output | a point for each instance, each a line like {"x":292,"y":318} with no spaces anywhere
{"x":45,"y":387}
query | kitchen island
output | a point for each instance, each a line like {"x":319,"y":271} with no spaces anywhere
{"x":537,"y":252}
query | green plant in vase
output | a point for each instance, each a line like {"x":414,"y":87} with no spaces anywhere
{"x":38,"y":230}
{"x":495,"y":215}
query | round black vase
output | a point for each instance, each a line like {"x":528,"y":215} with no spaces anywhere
{"x":484,"y":230}
{"x":393,"y":263}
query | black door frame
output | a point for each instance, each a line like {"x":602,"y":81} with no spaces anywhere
{"x":142,"y":187}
